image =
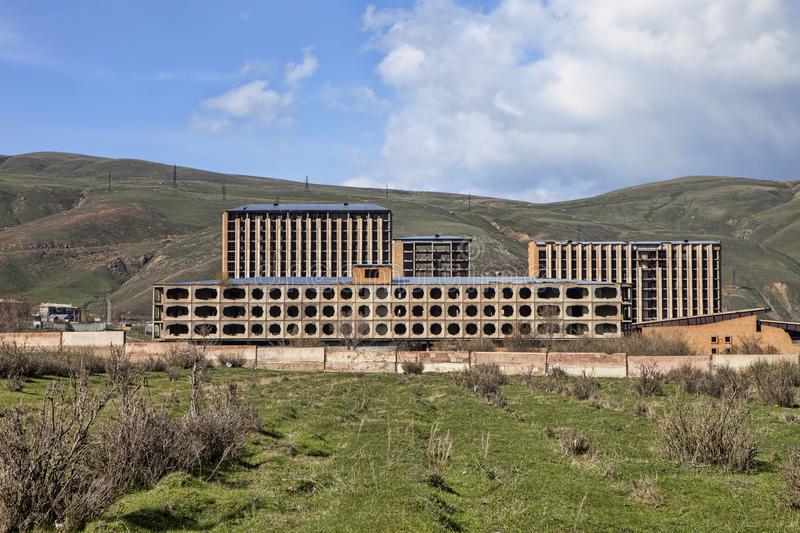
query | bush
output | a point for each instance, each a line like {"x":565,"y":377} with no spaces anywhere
{"x":575,"y":443}
{"x":180,"y":357}
{"x":720,"y":382}
{"x":485,"y":381}
{"x":232,"y":360}
{"x":649,"y":381}
{"x":654,"y":343}
{"x":709,"y":431}
{"x":790,"y":472}
{"x":775,"y":382}
{"x":15,"y":383}
{"x":583,"y":387}
{"x":413,"y":367}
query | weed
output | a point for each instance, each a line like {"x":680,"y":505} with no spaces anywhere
{"x":485,"y":381}
{"x":645,"y":490}
{"x":438,"y":453}
{"x":790,"y":472}
{"x":574,"y":443}
{"x":584,"y":387}
{"x":649,"y":381}
{"x":232,"y":360}
{"x":413,"y":367}
{"x":641,"y":410}
{"x":775,"y":382}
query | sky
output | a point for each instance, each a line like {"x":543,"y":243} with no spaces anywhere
{"x":537,"y":100}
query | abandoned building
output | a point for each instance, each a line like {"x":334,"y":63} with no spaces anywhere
{"x":431,"y":256}
{"x":673,"y":279}
{"x":305,"y":240}
{"x":729,"y":332}
{"x":372,"y":305}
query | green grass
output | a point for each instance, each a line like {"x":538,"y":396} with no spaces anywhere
{"x":324,"y":463}
{"x":58,"y":220}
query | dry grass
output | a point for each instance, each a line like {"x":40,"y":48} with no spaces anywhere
{"x":413,"y":367}
{"x":438,"y":453}
{"x":232,"y":360}
{"x":775,"y":382}
{"x":574,"y":443}
{"x":645,"y":490}
{"x":790,"y":472}
{"x":710,"y":432}
{"x":484,"y":380}
{"x":655,"y":343}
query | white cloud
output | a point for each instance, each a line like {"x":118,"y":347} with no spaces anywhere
{"x":254,"y":103}
{"x":568,"y":97}
{"x":296,"y":72}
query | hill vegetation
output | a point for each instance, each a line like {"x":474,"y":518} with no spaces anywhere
{"x":66,"y":236}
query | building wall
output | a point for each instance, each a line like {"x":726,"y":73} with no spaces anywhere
{"x":668,"y":280}
{"x":345,"y":311}
{"x":722,"y":337}
{"x":303,"y":243}
{"x":432,"y":258}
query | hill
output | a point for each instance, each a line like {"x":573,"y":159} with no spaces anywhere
{"x":66,"y":236}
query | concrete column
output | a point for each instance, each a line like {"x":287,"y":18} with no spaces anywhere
{"x":278,"y":248}
{"x":350,"y":244}
{"x":379,"y":240}
{"x":609,"y":263}
{"x":237,"y":225}
{"x":639,"y":293}
{"x":329,"y":232}
{"x":224,"y":270}
{"x":318,"y":261}
{"x":309,"y":272}
{"x":369,"y":232}
{"x":618,"y":264}
{"x":360,"y":240}
{"x":670,"y":282}
{"x":270,"y":244}
{"x":710,"y":288}
{"x":549,"y":263}
{"x":679,"y":279}
{"x":659,"y":293}
{"x":257,"y":221}
{"x":689,"y":281}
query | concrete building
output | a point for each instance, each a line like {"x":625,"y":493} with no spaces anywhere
{"x":306,"y":240}
{"x":431,"y":256}
{"x":668,"y":279}
{"x":374,"y":306}
{"x":729,"y":332}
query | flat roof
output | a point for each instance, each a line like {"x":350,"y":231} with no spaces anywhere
{"x":434,"y":238}
{"x":782,"y":324}
{"x":293,"y":208}
{"x":472,"y":280}
{"x":646,"y":243}
{"x":701,"y":319}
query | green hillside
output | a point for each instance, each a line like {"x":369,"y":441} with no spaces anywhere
{"x":65,"y":236}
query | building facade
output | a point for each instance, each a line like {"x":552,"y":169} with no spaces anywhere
{"x":305,"y":240}
{"x":668,"y":279}
{"x":426,"y":256}
{"x":373,"y":306}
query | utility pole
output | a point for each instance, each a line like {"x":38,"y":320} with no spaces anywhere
{"x":174,"y":176}
{"x":109,"y":182}
{"x":306,"y":181}
{"x":387,"y":191}
{"x":469,"y":202}
{"x":223,"y":191}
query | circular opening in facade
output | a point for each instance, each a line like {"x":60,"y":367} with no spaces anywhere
{"x":310,"y":329}
{"x":400,"y":293}
{"x":488,"y":310}
{"x":293,"y":294}
{"x":524,"y":329}
{"x":418,"y":310}
{"x":311,"y":294}
{"x":381,"y":293}
{"x":399,"y":311}
{"x":525,"y":293}
{"x":417,"y":293}
{"x":489,"y":292}
{"x":328,"y":311}
{"x":257,"y":329}
{"x":453,"y":293}
{"x":363,"y":311}
{"x":274,"y":329}
{"x":418,"y":329}
{"x":507,"y":310}
{"x":471,"y":293}
{"x":346,"y":329}
{"x":507,"y":293}
{"x":328,"y":293}
{"x":347,"y":311}
{"x":453,"y":310}
{"x":471,"y":328}
{"x":489,"y":329}
{"x":328,"y":329}
{"x":363,"y":293}
{"x":292,"y":329}
{"x":453,"y":329}
{"x":274,"y":311}
{"x":381,"y":311}
{"x":257,"y":311}
{"x":346,"y":293}
{"x":381,"y":329}
{"x":435,"y":293}
{"x":436,"y":329}
{"x":436,"y":310}
{"x":275,"y":294}
{"x":310,"y":311}
{"x":293,"y":311}
{"x":507,"y":329}
{"x":471,"y":310}
{"x":400,"y":329}
{"x":257,"y":294}
{"x":363,"y":329}
{"x":524,"y":310}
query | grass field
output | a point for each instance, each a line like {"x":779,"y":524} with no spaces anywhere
{"x":347,"y":452}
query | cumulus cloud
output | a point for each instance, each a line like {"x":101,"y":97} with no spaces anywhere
{"x":563,"y":98}
{"x":299,"y":71}
{"x":254,"y":103}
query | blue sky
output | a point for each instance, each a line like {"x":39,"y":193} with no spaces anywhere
{"x":517,"y":98}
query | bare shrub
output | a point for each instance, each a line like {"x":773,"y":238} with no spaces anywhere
{"x":649,"y":381}
{"x":180,"y":357}
{"x":485,"y":381}
{"x":574,"y":443}
{"x":790,"y":418}
{"x":775,"y":382}
{"x":15,"y":361}
{"x":584,"y":387}
{"x":413,"y":367}
{"x":15,"y":383}
{"x":709,"y":431}
{"x":641,"y":410}
{"x":232,"y":360}
{"x":15,"y":315}
{"x":790,"y":472}
{"x":722,"y":381}
{"x":752,"y":345}
{"x":652,"y":343}
{"x":645,"y":490}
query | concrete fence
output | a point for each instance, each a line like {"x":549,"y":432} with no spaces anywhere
{"x":388,"y":359}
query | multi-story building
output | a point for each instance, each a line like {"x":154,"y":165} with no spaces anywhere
{"x":427,"y":256}
{"x":674,"y":279}
{"x":306,"y":240}
{"x":372,"y":305}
